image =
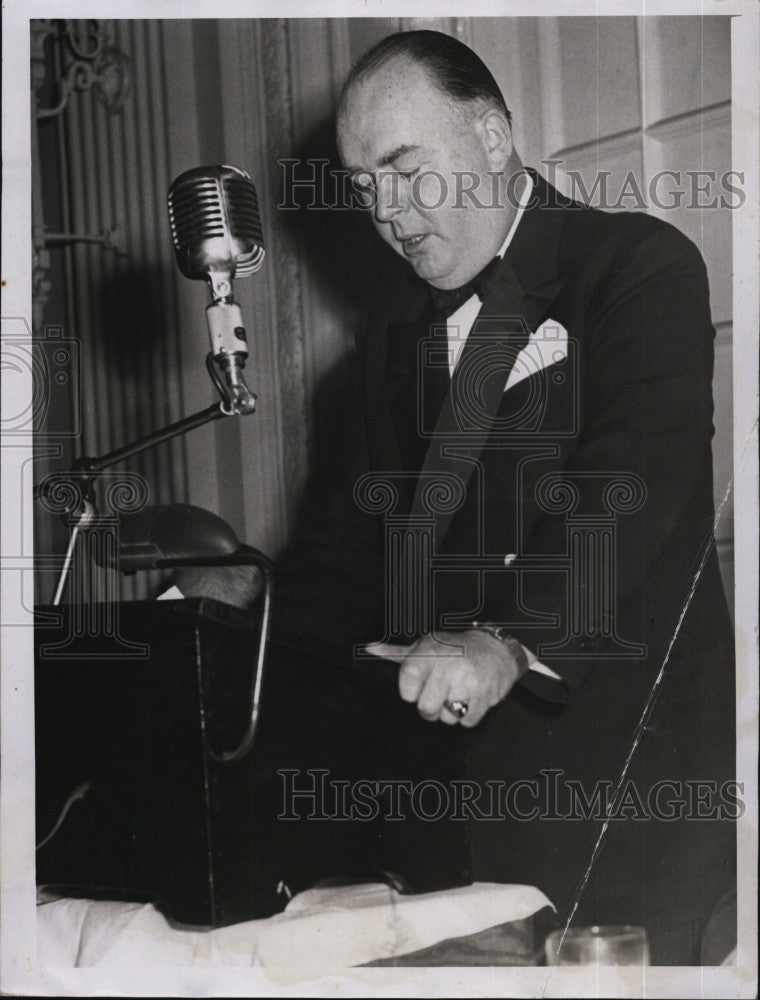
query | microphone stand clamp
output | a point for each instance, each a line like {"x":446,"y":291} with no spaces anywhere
{"x":229,"y":346}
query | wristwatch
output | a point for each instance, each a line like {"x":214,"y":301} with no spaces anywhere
{"x":515,"y":648}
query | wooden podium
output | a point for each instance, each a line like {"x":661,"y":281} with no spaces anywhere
{"x":133,"y":718}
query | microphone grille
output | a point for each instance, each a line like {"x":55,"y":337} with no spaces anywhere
{"x":215,"y":222}
{"x":244,"y":218}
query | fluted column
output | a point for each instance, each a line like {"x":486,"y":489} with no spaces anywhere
{"x":409,"y":546}
{"x":592,"y":503}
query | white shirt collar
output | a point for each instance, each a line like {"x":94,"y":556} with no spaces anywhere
{"x":461,"y":322}
{"x":521,"y":206}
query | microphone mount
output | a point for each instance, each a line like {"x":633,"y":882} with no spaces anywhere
{"x":229,"y":347}
{"x":216,"y":231}
{"x":86,"y":468}
{"x":217,"y":236}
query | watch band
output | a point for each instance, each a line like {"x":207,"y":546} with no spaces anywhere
{"x":515,"y":648}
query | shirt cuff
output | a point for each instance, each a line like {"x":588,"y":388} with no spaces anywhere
{"x":541,"y":668}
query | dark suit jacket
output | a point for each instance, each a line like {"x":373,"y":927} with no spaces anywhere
{"x":595,"y":473}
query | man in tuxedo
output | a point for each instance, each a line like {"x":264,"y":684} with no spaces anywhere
{"x":537,"y":392}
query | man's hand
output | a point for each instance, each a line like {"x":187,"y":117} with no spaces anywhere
{"x":480,"y":675}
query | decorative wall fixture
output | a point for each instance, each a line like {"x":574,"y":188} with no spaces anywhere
{"x":83,"y":59}
{"x":87,"y":61}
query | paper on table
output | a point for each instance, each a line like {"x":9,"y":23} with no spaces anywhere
{"x":172,"y":594}
{"x":398,"y":653}
{"x":322,"y":928}
{"x":395,"y":652}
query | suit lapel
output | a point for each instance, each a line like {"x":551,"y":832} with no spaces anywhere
{"x":518,"y":299}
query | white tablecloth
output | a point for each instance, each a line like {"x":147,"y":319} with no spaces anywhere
{"x":322,"y":929}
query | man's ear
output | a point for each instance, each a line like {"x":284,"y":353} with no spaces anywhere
{"x":497,"y":137}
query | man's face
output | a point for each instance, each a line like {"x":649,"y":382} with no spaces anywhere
{"x":415,"y":150}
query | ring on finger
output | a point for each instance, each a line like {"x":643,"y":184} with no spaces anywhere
{"x":457,"y":708}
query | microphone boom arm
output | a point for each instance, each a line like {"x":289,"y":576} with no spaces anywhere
{"x":88,"y":464}
{"x":86,"y":467}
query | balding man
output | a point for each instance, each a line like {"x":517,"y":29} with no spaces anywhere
{"x":551,"y":365}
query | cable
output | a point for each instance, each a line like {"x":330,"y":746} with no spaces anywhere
{"x":79,"y":793}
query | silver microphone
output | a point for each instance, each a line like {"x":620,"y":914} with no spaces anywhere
{"x":216,"y":231}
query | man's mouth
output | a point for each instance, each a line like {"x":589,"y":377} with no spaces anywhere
{"x":411,"y":243}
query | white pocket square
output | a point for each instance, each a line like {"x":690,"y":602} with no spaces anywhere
{"x":547,"y":346}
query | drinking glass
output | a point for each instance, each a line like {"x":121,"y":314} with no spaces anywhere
{"x":606,"y":945}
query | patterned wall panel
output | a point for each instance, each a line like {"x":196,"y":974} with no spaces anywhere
{"x":685,"y":61}
{"x":112,"y":171}
{"x":590,"y":72}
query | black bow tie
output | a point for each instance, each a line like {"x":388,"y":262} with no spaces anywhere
{"x":446,"y":301}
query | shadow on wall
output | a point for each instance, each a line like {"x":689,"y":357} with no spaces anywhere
{"x":135,"y":390}
{"x":134,"y":312}
{"x":133,"y":341}
{"x":342,"y":256}
{"x":337,"y":243}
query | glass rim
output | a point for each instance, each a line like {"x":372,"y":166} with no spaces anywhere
{"x":598,"y":931}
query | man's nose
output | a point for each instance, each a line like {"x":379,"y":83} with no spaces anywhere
{"x":390,"y":197}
